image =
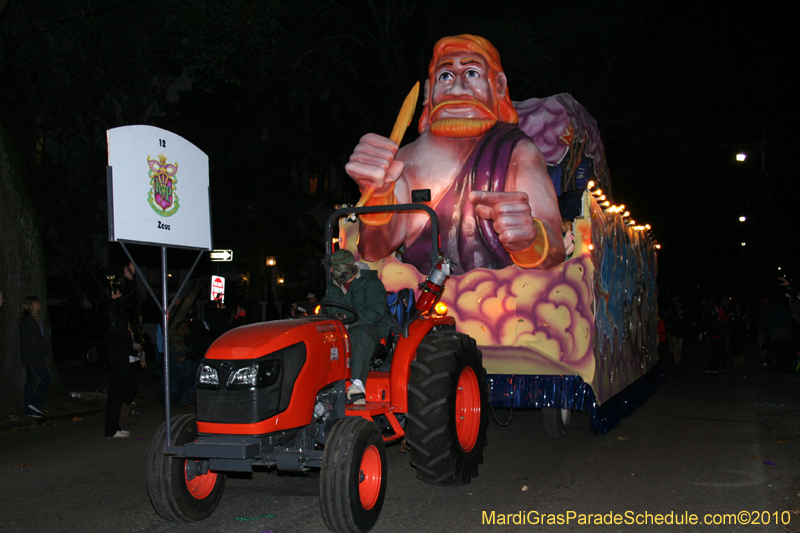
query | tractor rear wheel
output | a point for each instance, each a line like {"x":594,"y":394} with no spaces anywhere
{"x":556,"y":421}
{"x":447,"y":409}
{"x":177,"y":493}
{"x":352,"y":481}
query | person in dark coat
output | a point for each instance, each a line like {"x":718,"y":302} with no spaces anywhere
{"x":136,"y":361}
{"x":355,"y":285}
{"x":33,"y":350}
{"x":677,"y":328}
{"x":119,"y":345}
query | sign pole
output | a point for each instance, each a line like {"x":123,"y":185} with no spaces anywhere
{"x":165,"y":332}
{"x":158,"y":194}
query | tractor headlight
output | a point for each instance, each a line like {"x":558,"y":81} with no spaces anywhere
{"x":261,"y":374}
{"x":244,"y":377}
{"x":208,"y":376}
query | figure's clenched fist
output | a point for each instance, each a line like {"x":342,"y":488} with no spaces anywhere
{"x":510,"y":213}
{"x":373,"y":164}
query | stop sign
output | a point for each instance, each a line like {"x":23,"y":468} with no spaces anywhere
{"x":217,"y":288}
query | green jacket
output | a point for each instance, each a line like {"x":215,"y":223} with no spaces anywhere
{"x":367,"y":295}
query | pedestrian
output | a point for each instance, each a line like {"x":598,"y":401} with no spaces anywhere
{"x":119,"y":346}
{"x":271,"y":312}
{"x":715,"y":329}
{"x":778,"y":326}
{"x":180,"y":309}
{"x":677,"y":327}
{"x":740,"y":326}
{"x":136,"y":361}
{"x":355,"y":285}
{"x":33,"y":350}
{"x":310,"y":303}
{"x":295,"y":310}
{"x":239,"y":317}
{"x":218,"y":318}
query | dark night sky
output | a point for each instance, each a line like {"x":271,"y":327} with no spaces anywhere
{"x":681,"y":89}
{"x":737,"y":60}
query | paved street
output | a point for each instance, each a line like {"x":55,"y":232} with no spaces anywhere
{"x":702,"y":444}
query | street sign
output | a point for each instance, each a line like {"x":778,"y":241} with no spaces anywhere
{"x":217,"y":288}
{"x":222,"y":255}
{"x":157,"y":189}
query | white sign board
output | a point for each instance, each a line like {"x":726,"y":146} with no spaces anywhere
{"x":217,"y":288}
{"x":157,"y":189}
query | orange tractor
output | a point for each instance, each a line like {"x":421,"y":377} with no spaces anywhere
{"x":272,"y":394}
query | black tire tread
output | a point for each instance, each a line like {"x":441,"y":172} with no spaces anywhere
{"x":336,"y":496}
{"x":553,"y":424}
{"x":161,"y":484}
{"x":431,"y":429}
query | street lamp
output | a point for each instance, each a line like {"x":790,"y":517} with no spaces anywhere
{"x":741,"y":157}
{"x":271,"y":262}
{"x":742,"y":218}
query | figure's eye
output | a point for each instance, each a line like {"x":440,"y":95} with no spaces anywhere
{"x":472,"y":73}
{"x":446,"y":76}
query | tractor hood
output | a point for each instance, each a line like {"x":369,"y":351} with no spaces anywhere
{"x":256,"y":340}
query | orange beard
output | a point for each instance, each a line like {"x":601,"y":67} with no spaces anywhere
{"x":462,"y":127}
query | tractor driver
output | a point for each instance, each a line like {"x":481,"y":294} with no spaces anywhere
{"x":355,"y":285}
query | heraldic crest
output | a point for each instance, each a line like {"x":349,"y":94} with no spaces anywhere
{"x":163,"y":197}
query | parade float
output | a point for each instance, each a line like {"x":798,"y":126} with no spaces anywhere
{"x":578,"y":337}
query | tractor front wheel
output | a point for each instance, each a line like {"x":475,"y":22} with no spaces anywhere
{"x":352,"y":481}
{"x":177,"y":490}
{"x":447,"y":409}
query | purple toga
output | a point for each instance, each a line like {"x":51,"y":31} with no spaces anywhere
{"x":467,"y":239}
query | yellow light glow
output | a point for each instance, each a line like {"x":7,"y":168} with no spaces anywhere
{"x":658,"y":246}
{"x":742,"y":219}
{"x":744,"y":244}
{"x":590,"y":185}
{"x":601,"y":197}
{"x":598,"y":192}
{"x":626,"y":214}
{"x":606,"y":203}
{"x":440,"y":308}
{"x":591,"y":246}
{"x":280,"y":281}
{"x":647,"y":226}
{"x":740,"y":157}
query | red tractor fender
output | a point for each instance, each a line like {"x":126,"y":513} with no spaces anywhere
{"x":405,"y":351}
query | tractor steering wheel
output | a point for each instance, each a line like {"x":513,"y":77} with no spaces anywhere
{"x":344,"y":319}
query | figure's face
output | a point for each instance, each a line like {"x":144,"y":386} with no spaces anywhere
{"x":463,"y":94}
{"x":462,"y":76}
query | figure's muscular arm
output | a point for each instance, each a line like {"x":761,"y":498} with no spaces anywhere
{"x":374,"y":163}
{"x":529,"y":193}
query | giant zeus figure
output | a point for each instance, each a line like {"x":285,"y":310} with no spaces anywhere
{"x":488,"y":181}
